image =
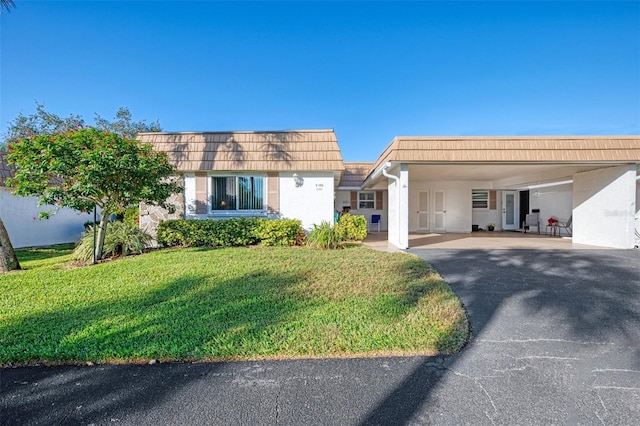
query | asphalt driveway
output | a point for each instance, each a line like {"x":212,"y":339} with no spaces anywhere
{"x":556,"y":334}
{"x":556,"y":340}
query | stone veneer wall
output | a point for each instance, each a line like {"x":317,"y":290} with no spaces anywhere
{"x":151,"y":215}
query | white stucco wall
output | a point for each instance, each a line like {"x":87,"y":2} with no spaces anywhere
{"x":484,"y":217}
{"x":398,"y":205}
{"x":637,"y":218}
{"x":398,"y":202}
{"x":604,"y":206}
{"x":343,"y":198}
{"x":553,"y":201}
{"x":637,"y":195}
{"x":393,"y":215}
{"x":190,"y":196}
{"x":20,"y":217}
{"x":403,"y":173}
{"x":459,"y":215}
{"x":312,"y":202}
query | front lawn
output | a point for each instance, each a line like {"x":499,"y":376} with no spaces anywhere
{"x":219,"y":304}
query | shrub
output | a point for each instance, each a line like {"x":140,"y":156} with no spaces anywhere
{"x":352,"y":227}
{"x":280,"y":232}
{"x":235,"y":232}
{"x":326,"y":236}
{"x":176,"y":232}
{"x":223,"y":233}
{"x":121,"y":239}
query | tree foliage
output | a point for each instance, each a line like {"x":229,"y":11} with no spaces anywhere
{"x":7,"y":5}
{"x":89,"y":167}
{"x":41,"y":122}
{"x":124,"y":125}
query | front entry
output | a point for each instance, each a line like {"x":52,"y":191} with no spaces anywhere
{"x":510,"y":210}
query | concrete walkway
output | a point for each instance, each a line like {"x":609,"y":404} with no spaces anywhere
{"x":480,"y":240}
{"x":556,"y":340}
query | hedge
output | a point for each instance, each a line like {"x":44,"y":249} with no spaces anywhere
{"x":230,"y":232}
{"x":281,"y":232}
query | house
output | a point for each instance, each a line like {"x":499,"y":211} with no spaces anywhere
{"x":291,"y":174}
{"x":20,"y":216}
{"x":417,"y":184}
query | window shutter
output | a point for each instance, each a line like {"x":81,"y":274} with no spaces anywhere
{"x":273,"y":193}
{"x":492,"y":200}
{"x":354,"y":200}
{"x":379,"y":200}
{"x":201,"y":193}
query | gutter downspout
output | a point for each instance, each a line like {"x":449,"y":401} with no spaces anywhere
{"x":397,"y":180}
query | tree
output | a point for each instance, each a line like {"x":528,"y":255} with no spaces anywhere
{"x":43,"y":122}
{"x":7,"y":5}
{"x":89,"y":167}
{"x":8,"y":258}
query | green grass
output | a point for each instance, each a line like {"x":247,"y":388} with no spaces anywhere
{"x":221,"y":304}
{"x":42,"y":257}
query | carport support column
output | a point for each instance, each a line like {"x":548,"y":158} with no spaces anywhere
{"x":404,"y":206}
{"x":398,"y":205}
{"x":604,"y":206}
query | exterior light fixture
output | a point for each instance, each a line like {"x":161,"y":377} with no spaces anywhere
{"x":298,"y":180}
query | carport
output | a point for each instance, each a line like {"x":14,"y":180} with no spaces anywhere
{"x":446,"y":185}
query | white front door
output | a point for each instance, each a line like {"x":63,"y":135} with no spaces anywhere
{"x":423,"y":210}
{"x":510,"y":210}
{"x":440,"y":210}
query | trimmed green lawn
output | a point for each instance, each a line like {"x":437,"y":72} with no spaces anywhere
{"x":222,"y":304}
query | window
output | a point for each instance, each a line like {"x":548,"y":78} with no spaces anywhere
{"x":366,"y":200}
{"x":237,"y":193}
{"x":480,"y":200}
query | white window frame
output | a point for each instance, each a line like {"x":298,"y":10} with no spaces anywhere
{"x":236,"y":212}
{"x":486,"y":199}
{"x":372,"y":201}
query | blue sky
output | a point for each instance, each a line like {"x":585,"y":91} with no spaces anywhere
{"x":370,"y":70}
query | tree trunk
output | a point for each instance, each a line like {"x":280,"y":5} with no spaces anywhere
{"x":102,"y":231}
{"x":8,"y":259}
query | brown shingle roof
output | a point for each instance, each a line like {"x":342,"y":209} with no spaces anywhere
{"x":512,"y":149}
{"x":250,"y":151}
{"x":354,"y":174}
